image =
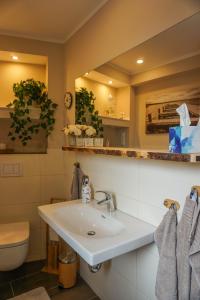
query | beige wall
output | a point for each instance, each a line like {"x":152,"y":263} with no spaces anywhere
{"x":153,"y":91}
{"x":11,"y":72}
{"x":140,"y":187}
{"x":44,"y":176}
{"x":101,"y":92}
{"x":123,"y":102}
{"x":117,"y":28}
{"x":119,"y":103}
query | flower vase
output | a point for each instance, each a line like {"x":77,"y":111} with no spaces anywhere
{"x":79,"y":142}
{"x":98,"y":142}
{"x":71,"y":140}
{"x":89,"y":142}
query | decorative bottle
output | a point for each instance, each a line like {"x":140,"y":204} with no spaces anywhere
{"x":86,"y":189}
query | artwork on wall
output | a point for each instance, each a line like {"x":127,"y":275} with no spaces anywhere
{"x":161,"y":111}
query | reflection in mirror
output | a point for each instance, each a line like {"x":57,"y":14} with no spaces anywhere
{"x":137,"y":93}
{"x":15,"y":67}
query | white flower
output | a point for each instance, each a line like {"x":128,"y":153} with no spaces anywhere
{"x":79,"y":130}
{"x":90,"y":131}
{"x":82,"y":127}
{"x":72,"y":130}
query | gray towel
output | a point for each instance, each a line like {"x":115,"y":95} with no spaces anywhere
{"x":184,"y":230}
{"x":194,"y":255}
{"x":76,"y":183}
{"x":165,"y":238}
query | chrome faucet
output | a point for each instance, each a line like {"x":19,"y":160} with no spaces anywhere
{"x":105,"y":198}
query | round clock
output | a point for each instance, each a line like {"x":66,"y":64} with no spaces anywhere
{"x":68,"y":100}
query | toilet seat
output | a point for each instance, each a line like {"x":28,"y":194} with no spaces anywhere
{"x":13,"y":234}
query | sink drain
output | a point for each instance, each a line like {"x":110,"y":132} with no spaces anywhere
{"x":91,"y":232}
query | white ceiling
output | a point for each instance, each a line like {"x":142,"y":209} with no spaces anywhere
{"x":176,"y":43}
{"x":49,"y":20}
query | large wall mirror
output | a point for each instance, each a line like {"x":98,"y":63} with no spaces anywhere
{"x":137,"y":93}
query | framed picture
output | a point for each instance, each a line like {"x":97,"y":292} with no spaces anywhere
{"x":161,"y":112}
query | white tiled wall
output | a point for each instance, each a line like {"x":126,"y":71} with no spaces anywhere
{"x":140,"y":188}
{"x":43,"y":177}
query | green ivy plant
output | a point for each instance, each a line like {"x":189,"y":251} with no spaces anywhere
{"x":85,"y":110}
{"x":30,"y":94}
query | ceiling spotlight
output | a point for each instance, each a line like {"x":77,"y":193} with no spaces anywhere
{"x":110,"y":81}
{"x":140,"y":61}
{"x":14,"y":57}
{"x":87,"y":73}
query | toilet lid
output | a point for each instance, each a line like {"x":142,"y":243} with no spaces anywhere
{"x":13,"y":234}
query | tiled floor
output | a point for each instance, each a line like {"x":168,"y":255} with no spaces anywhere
{"x":29,"y":276}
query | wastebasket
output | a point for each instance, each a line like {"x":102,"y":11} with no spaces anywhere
{"x":67,"y":269}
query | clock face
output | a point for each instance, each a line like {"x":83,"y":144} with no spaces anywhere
{"x":68,"y":100}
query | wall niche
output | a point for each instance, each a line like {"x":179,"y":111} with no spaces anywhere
{"x":15,"y":67}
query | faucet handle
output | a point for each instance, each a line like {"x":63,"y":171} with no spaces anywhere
{"x":101,"y":196}
{"x":106,"y":197}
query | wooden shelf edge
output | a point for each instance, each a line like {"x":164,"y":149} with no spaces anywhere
{"x":138,"y":154}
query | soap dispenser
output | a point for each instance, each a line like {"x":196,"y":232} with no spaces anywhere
{"x":86,"y":189}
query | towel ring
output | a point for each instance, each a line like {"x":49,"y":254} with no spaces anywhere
{"x":169,"y":203}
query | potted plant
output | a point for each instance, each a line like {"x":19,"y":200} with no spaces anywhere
{"x":74,"y":135}
{"x":30,"y":94}
{"x":90,"y":133}
{"x":87,"y":115}
{"x":80,"y":135}
{"x":98,"y":141}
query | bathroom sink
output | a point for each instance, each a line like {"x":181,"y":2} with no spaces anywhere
{"x":93,"y":233}
{"x":85,"y":220}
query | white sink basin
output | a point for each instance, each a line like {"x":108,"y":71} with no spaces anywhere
{"x":82,"y":219}
{"x":93,"y":234}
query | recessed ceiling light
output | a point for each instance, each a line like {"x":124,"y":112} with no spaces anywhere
{"x":14,"y":57}
{"x":140,"y":61}
{"x":110,"y":81}
{"x":87,"y":73}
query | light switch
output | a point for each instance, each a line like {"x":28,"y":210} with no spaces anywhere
{"x":11,"y":169}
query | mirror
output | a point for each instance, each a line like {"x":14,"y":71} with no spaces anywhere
{"x":137,"y":93}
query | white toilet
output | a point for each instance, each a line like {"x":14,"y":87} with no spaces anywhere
{"x":14,"y":241}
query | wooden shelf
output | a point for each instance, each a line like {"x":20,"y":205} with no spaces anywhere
{"x":138,"y":153}
{"x":108,"y":121}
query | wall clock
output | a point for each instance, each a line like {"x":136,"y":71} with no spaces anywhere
{"x":68,"y":100}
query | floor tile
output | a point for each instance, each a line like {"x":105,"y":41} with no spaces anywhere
{"x":80,"y":292}
{"x":94,"y":298}
{"x":30,"y":282}
{"x":24,"y":270}
{"x":29,"y":276}
{"x":56,"y":290}
{"x":5,"y":291}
